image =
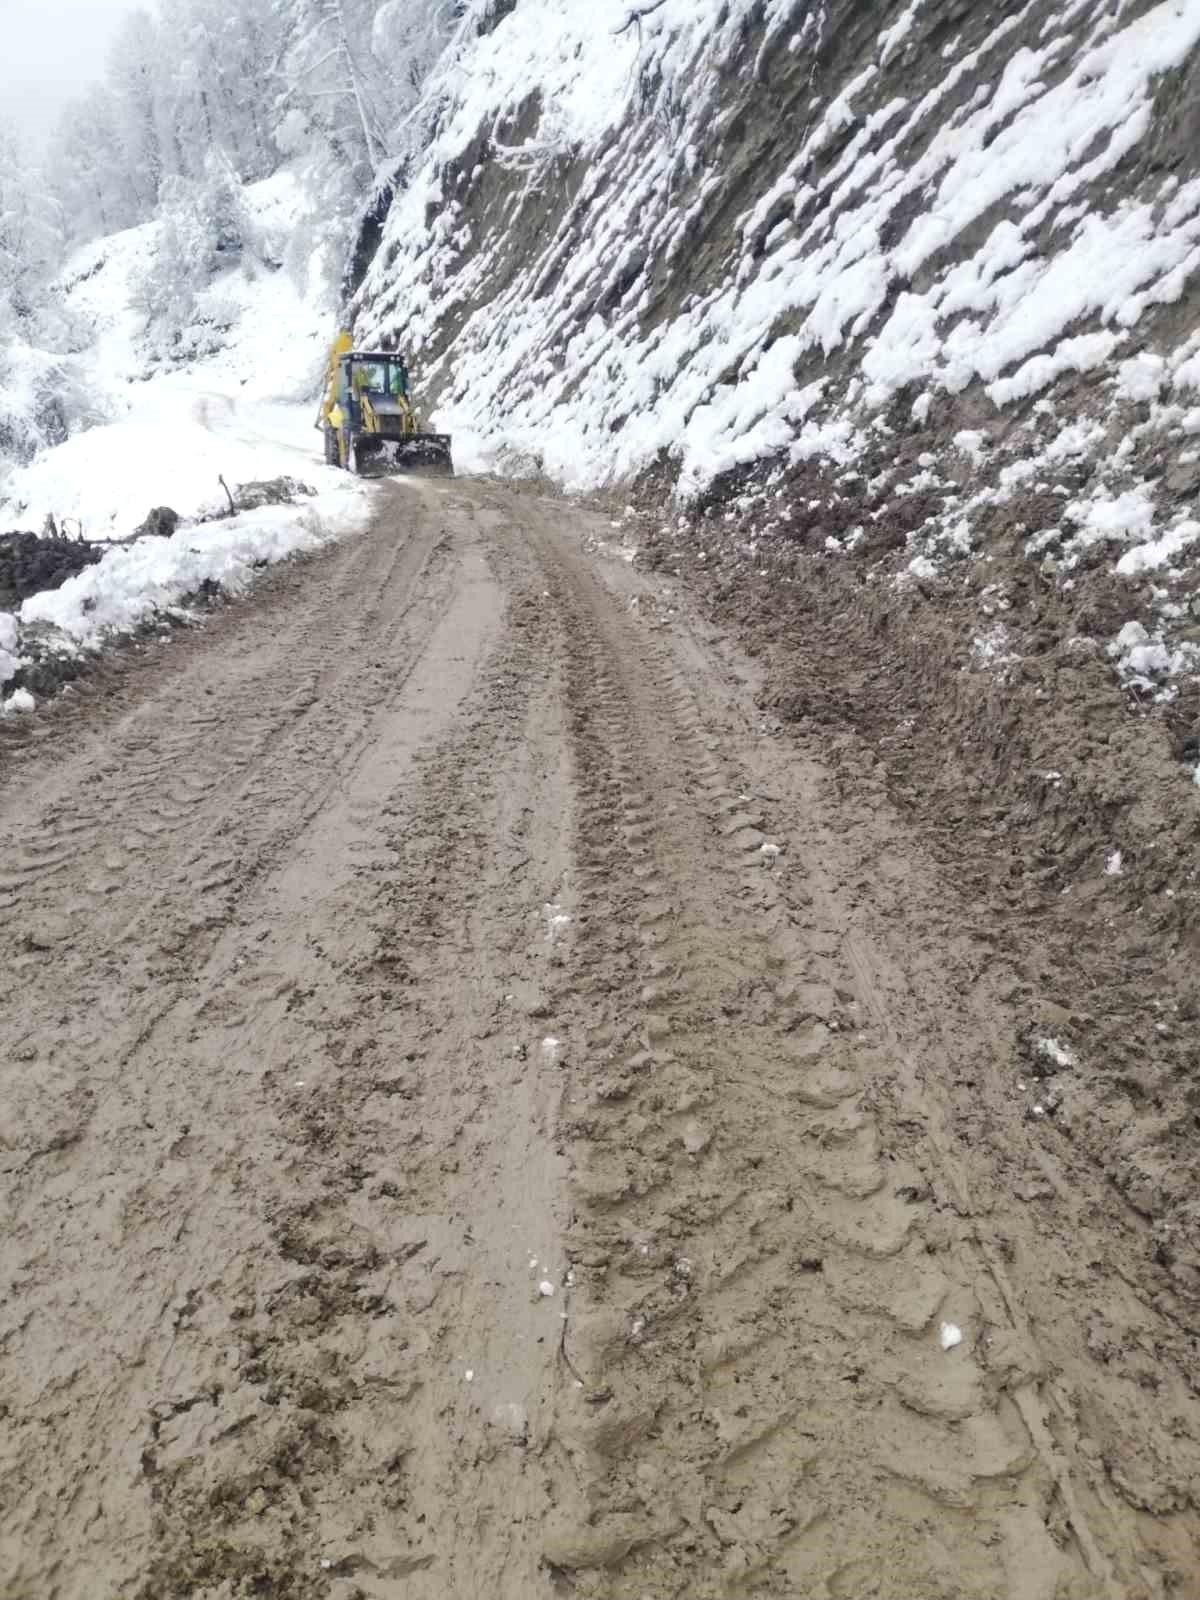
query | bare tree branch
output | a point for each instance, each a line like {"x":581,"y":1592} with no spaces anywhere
{"x":634,"y":19}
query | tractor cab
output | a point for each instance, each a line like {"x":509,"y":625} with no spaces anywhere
{"x":381,"y":377}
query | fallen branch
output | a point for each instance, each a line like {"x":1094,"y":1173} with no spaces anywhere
{"x":225,"y":486}
{"x":634,"y":19}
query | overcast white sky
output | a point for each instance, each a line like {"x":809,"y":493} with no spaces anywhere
{"x":49,"y":50}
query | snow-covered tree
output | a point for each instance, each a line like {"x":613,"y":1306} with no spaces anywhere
{"x":328,"y":85}
{"x":86,"y":167}
{"x":200,"y":78}
{"x":351,"y":78}
{"x":338,"y":85}
{"x":218,"y":89}
{"x":38,"y":393}
{"x":203,"y":228}
{"x":411,"y":37}
{"x":134,"y":77}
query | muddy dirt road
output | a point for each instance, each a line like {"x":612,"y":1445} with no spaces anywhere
{"x":480,"y":1119}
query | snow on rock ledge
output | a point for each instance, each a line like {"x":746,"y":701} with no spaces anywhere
{"x":764,"y":233}
{"x":930,"y":208}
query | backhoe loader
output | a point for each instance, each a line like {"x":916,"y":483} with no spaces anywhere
{"x":368,"y":420}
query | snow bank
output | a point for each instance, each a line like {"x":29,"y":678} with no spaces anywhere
{"x":232,"y":405}
{"x":170,"y":451}
{"x":133,"y":582}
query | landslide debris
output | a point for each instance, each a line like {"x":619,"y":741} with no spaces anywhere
{"x":282,"y":491}
{"x":31,"y":563}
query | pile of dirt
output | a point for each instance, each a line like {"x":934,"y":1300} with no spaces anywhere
{"x":1057,"y":796}
{"x":282,"y":491}
{"x":31,"y":563}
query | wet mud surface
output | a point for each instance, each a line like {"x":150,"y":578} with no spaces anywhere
{"x":485,"y":1113}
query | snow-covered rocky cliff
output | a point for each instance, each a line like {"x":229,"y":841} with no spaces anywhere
{"x":937,"y":255}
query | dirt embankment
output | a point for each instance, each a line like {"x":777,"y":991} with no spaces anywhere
{"x":1060,"y":800}
{"x":484,"y":1113}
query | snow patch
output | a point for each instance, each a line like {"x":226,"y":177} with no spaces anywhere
{"x":1159,"y":552}
{"x":1054,"y":1052}
{"x":1143,"y":658}
{"x":8,"y":646}
{"x":20,"y":702}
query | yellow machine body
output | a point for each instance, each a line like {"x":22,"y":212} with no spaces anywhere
{"x":368,"y":420}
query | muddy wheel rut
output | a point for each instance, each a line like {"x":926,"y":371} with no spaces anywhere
{"x":482,"y":1117}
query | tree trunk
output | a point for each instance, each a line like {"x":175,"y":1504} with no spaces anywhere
{"x":375,"y":151}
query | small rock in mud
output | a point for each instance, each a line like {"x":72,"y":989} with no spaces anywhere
{"x":696,"y":1137}
{"x":257,"y":1502}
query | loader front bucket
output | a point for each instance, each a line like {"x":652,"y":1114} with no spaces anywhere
{"x":425,"y":455}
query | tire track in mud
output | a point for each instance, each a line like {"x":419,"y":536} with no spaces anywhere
{"x":761,"y":1276}
{"x":101,"y":962}
{"x":428,"y":1020}
{"x":471,"y":1138}
{"x":278,"y":1401}
{"x":143,"y":766}
{"x":410,"y":1271}
{"x":147,"y":856}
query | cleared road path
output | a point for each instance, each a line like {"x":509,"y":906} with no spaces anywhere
{"x":476,"y":1121}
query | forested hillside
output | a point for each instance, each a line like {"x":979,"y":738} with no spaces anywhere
{"x":199,"y":99}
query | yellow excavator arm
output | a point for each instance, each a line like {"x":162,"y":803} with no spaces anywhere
{"x":331,"y":413}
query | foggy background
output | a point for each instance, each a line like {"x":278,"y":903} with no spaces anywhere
{"x":50,"y":51}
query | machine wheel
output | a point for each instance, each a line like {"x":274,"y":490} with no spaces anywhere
{"x":331,"y":448}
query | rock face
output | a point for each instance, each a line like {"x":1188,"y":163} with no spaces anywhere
{"x":30,"y":563}
{"x":160,"y":524}
{"x":934,"y":263}
{"x":731,"y":230}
